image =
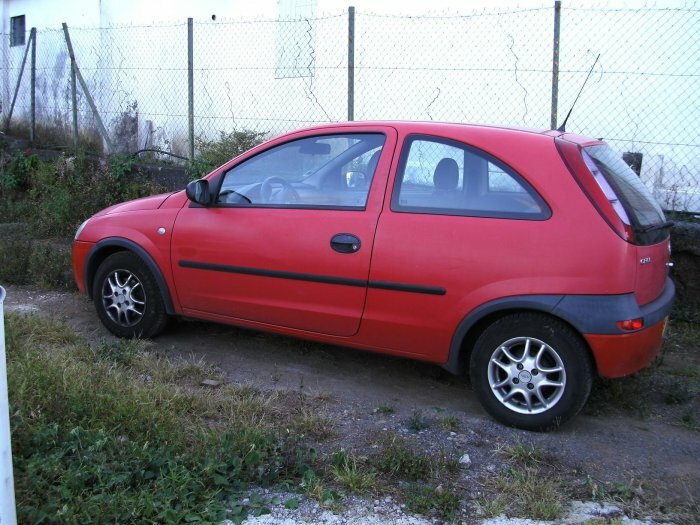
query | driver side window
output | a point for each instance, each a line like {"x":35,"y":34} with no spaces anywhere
{"x":320,"y":171}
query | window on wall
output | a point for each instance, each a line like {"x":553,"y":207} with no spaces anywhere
{"x":17,"y":30}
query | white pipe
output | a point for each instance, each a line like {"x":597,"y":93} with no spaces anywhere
{"x":8,"y":514}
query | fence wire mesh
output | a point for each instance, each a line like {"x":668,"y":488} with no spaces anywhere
{"x":489,"y":66}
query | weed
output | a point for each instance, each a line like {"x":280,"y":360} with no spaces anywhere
{"x":348,"y":471}
{"x":491,"y":507}
{"x":684,"y":333}
{"x":314,"y":487}
{"x":449,"y":423}
{"x":522,"y":453}
{"x":16,"y":171}
{"x":14,"y":254}
{"x":426,"y":499}
{"x":417,"y":421}
{"x":213,"y":153}
{"x":120,"y":165}
{"x":531,"y":492}
{"x":398,"y":460}
{"x":93,"y":442}
{"x":308,"y":422}
{"x":49,"y":265}
{"x":384,"y":409}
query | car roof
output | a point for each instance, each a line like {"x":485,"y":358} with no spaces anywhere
{"x":428,"y":126}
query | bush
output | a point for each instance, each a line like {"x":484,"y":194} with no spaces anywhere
{"x":70,"y":190}
{"x":15,"y":171}
{"x":214,"y":153}
{"x":50,"y":265}
{"x":14,"y":254}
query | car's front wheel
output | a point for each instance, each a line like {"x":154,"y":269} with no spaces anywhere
{"x":531,"y":371}
{"x":127,"y":298}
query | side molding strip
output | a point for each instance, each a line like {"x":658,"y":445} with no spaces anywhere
{"x":325,"y":279}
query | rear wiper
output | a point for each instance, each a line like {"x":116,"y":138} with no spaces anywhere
{"x":654,"y":227}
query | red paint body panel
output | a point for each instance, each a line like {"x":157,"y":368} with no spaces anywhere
{"x":621,"y":355}
{"x":79,"y":254}
{"x":652,"y":270}
{"x":476,"y":260}
{"x":289,"y":240}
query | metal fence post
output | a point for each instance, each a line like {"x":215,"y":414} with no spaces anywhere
{"x":19,"y":81}
{"x":555,"y":64}
{"x":351,"y":63}
{"x":86,"y":91}
{"x":74,"y":99}
{"x":32,"y":82}
{"x":190,"y":85}
{"x":8,"y":513}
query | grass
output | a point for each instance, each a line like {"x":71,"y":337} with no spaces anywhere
{"x":529,"y":492}
{"x":352,"y":474}
{"x":449,"y":423}
{"x":528,"y":486}
{"x":95,"y":441}
{"x":431,"y":499}
{"x":417,"y":421}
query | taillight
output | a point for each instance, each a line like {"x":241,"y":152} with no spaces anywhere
{"x":630,"y":325}
{"x":596,"y":187}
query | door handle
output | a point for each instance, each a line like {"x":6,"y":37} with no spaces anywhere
{"x":345,"y":243}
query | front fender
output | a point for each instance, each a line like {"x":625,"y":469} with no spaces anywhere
{"x":113,"y":244}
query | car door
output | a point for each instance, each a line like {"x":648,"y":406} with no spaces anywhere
{"x":289,"y":238}
{"x":458,"y":232}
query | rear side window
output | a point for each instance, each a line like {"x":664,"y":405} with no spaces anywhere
{"x":640,"y":207}
{"x":443,"y":177}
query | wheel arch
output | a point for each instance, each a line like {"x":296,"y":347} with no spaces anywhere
{"x":477,"y":320}
{"x":109,"y":246}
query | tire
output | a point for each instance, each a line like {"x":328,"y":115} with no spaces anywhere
{"x":127,"y":298}
{"x":531,"y":371}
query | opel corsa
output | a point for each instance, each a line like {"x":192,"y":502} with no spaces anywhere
{"x":534,"y":259}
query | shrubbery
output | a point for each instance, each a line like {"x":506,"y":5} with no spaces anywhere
{"x":214,"y":153}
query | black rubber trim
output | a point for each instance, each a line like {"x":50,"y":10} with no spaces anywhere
{"x":415,"y":288}
{"x":588,"y":314}
{"x":309,"y":277}
{"x":273,"y":273}
{"x":91,"y":267}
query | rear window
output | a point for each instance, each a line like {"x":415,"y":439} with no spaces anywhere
{"x":637,"y":201}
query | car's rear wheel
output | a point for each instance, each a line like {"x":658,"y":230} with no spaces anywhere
{"x":127,"y":298}
{"x":531,"y":371}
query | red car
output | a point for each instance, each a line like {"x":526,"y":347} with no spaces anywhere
{"x":536,"y":259}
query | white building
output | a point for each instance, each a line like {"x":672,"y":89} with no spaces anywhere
{"x":274,"y":65}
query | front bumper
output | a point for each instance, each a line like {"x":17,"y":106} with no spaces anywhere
{"x":80,"y":252}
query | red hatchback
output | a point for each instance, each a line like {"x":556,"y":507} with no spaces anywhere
{"x":534,"y":259}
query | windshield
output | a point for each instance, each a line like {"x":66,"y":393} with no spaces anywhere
{"x":637,"y":200}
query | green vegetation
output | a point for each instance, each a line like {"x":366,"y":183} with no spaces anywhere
{"x":526,"y":486}
{"x":214,"y":153}
{"x":112,"y":433}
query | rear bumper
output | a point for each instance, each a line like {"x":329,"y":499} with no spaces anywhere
{"x":620,"y":354}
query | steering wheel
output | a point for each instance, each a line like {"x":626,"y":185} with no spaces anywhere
{"x":287,"y":189}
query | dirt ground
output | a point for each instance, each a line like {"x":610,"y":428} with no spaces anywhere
{"x":625,"y":437}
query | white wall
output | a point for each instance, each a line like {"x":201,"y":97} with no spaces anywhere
{"x":252,"y":72}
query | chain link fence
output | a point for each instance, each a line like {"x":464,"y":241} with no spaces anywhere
{"x":489,"y":66}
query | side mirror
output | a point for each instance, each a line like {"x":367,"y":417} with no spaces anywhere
{"x":198,"y":191}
